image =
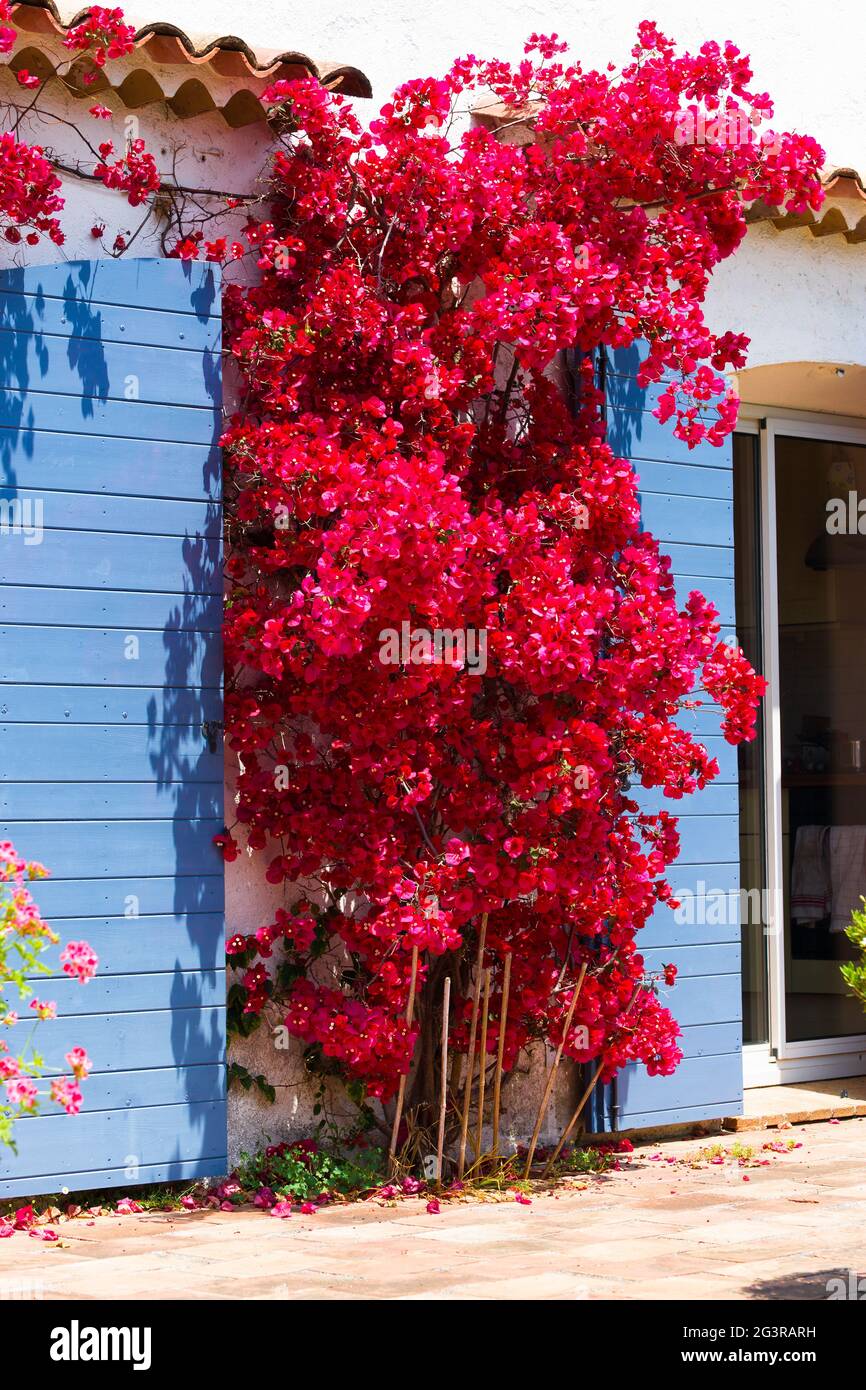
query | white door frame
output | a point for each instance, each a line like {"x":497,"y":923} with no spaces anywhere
{"x":778,"y":1060}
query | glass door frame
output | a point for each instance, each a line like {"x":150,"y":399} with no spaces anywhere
{"x":778,"y":1061}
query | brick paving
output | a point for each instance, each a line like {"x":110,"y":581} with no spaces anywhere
{"x":655,"y":1230}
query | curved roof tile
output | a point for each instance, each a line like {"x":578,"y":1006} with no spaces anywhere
{"x":843,"y":213}
{"x":166,"y":45}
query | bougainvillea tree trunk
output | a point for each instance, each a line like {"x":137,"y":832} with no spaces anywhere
{"x":453,"y":648}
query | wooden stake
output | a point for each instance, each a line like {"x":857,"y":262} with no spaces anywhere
{"x":473,"y":1027}
{"x":482,"y":1063}
{"x":548,"y":1090}
{"x":497,"y":1085}
{"x":574,"y":1119}
{"x":401,"y":1093}
{"x":456,"y":1069}
{"x":587,"y":1093}
{"x":443,"y":1101}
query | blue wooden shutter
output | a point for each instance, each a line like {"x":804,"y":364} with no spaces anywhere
{"x":687,"y":503}
{"x":110,"y":664}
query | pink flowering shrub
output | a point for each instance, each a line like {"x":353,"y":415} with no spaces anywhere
{"x":24,"y":937}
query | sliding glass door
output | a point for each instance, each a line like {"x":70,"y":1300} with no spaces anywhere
{"x":801,"y":617}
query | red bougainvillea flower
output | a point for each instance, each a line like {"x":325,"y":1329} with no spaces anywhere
{"x":7,"y":34}
{"x":103,"y":33}
{"x":134,"y":173}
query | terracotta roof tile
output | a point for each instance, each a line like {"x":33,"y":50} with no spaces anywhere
{"x":196,"y":57}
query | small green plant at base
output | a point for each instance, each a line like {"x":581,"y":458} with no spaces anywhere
{"x":854,"y":972}
{"x":712,"y":1153}
{"x":577,"y":1162}
{"x":303,"y":1171}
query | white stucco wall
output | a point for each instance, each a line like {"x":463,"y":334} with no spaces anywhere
{"x":822,"y":280}
{"x":810,"y":59}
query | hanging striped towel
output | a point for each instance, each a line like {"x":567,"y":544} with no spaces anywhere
{"x":847,"y":873}
{"x":810,"y":874}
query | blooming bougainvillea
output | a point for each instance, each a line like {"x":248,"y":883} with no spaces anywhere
{"x":406,"y":454}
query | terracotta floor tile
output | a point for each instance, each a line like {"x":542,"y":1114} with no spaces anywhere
{"x":653,"y":1230}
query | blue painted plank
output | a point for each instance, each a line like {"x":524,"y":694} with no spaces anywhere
{"x":169,"y":754}
{"x":72,"y":318}
{"x":703,"y":720}
{"x":625,"y":361}
{"x":78,"y":511}
{"x":718,"y":799}
{"x":623,"y":393}
{"x":686,"y":1114}
{"x":96,"y":1179}
{"x":155,"y":1086}
{"x":60,"y":899}
{"x":104,"y":608}
{"x":134,"y":1042}
{"x":123,"y":1138}
{"x":705,"y":838}
{"x":190,"y":288}
{"x":704,"y":999}
{"x":697,"y":1080}
{"x":100,"y":656}
{"x":698,"y":921}
{"x":722,"y":877}
{"x":129,"y":945}
{"x":720,"y":592}
{"x":107,"y":849}
{"x":683,"y":480}
{"x":86,"y":704}
{"x":708,"y":519}
{"x":724,"y":753}
{"x":699,"y":562}
{"x":45,"y":801}
{"x":97,"y":560}
{"x":711,"y":1039}
{"x":177,"y":990}
{"x":23,"y":411}
{"x":702,"y":958}
{"x":93,"y":463}
{"x":89,"y":370}
{"x":637,"y":434}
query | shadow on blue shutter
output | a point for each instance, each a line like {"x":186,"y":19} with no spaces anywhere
{"x":687,"y":503}
{"x":110,"y":666}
